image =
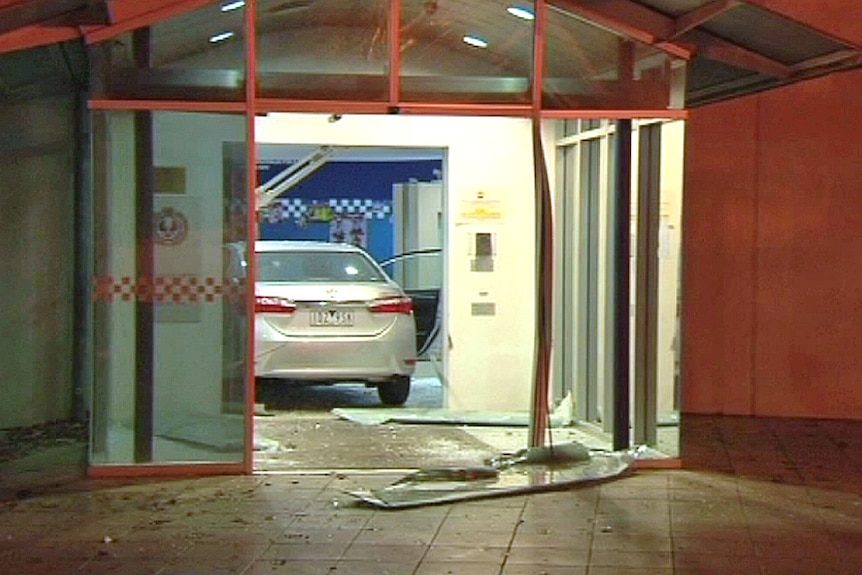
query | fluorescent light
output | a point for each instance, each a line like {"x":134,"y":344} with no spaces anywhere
{"x":476,"y":41}
{"x":221,"y":37}
{"x":519,"y":12}
{"x":235,"y":5}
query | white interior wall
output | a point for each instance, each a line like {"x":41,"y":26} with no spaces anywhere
{"x":670,"y":235}
{"x":487,"y":359}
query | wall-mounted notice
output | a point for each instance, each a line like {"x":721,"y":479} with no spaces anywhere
{"x":480,"y":208}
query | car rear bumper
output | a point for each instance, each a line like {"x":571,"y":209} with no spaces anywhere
{"x":334,"y":359}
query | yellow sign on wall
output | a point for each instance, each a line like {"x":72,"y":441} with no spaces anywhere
{"x":480,"y":209}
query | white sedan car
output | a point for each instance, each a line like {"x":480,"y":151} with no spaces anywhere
{"x":327,"y":313}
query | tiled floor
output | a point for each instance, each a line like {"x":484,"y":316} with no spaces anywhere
{"x":763,"y":496}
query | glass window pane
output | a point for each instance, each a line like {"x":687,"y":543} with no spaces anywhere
{"x":170,"y":301}
{"x":470,"y":51}
{"x":588,"y":67}
{"x":197,"y":56}
{"x":316,"y":267}
{"x":328,"y":49}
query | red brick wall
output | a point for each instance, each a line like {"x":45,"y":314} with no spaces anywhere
{"x":773,"y":244}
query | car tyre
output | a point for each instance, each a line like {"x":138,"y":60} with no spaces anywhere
{"x":394,"y":391}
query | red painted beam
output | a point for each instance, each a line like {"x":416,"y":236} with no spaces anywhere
{"x":33,"y":36}
{"x":133,"y":14}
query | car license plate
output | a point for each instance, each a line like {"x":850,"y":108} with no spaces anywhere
{"x":331,"y":318}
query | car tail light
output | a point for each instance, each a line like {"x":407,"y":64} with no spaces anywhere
{"x":270,"y":304}
{"x":393,"y":305}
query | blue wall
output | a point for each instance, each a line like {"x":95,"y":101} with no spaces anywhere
{"x":343,"y":185}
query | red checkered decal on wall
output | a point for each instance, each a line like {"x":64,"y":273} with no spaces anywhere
{"x":166,"y":289}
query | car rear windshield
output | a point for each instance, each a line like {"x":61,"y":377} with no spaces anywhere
{"x":316,"y":267}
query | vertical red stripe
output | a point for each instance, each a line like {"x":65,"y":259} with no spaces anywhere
{"x":539,"y":54}
{"x":394,"y":53}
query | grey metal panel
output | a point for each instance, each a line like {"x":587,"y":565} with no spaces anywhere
{"x":772,"y":35}
{"x":646,"y":315}
{"x":674,"y":7}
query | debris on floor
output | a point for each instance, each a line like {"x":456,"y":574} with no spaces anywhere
{"x":528,"y":470}
{"x":21,"y":441}
{"x":440,"y":416}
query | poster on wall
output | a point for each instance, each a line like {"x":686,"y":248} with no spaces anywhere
{"x":349,"y":230}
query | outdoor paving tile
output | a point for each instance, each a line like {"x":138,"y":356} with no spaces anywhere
{"x":726,"y":545}
{"x":200,"y":568}
{"x":14,"y":535}
{"x":474,"y":537}
{"x":634,"y":492}
{"x":121,"y":566}
{"x":573,"y":540}
{"x":353,"y":567}
{"x":522,"y":569}
{"x":638,"y":541}
{"x":456,"y":568}
{"x":631,"y":559}
{"x":565,"y":527}
{"x":488,"y":516}
{"x":625,"y":571}
{"x":281,"y":567}
{"x":849,"y":541}
{"x":140,"y":550}
{"x":42,"y":553}
{"x":631,"y":523}
{"x":561,"y":514}
{"x":453,"y":554}
{"x":370,"y":536}
{"x":320,"y":521}
{"x":579,"y":494}
{"x":652,"y":508}
{"x":811,"y":564}
{"x":466,"y":525}
{"x":560,"y":555}
{"x":708,"y":564}
{"x":647,"y":479}
{"x":35,"y":567}
{"x":309,"y":551}
{"x":397,"y":521}
{"x":385,"y":553}
{"x":687,"y":515}
{"x":225,"y":550}
{"x":304,"y":536}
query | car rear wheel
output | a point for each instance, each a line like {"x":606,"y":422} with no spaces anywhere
{"x":394,"y":391}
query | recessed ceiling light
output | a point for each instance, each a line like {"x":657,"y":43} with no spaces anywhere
{"x":476,"y":41}
{"x":520,"y":12}
{"x":235,"y":5}
{"x":221,"y":37}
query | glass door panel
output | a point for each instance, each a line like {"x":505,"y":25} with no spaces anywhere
{"x":170,"y":305}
